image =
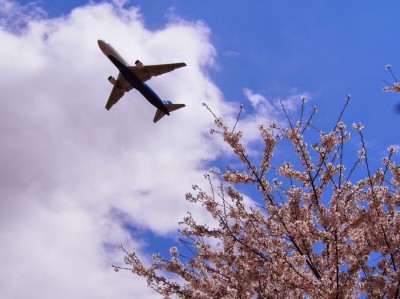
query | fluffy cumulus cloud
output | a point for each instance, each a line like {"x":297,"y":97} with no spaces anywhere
{"x":75,"y":176}
{"x":70,"y":168}
{"x":264,"y":111}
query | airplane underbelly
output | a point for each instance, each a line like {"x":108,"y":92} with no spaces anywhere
{"x":125,"y":85}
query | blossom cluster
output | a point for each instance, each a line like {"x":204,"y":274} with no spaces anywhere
{"x":395,"y":87}
{"x":318,"y":233}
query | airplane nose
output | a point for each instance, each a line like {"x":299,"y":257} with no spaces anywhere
{"x":104,"y":47}
{"x":101,"y":43}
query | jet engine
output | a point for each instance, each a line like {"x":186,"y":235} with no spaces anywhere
{"x":112,"y":80}
{"x":139,"y":64}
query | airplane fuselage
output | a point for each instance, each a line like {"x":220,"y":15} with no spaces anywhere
{"x":130,"y":76}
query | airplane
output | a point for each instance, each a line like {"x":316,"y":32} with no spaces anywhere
{"x":130,"y":77}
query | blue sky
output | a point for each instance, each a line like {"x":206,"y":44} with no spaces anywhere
{"x":328,"y":49}
{"x":77,"y":180}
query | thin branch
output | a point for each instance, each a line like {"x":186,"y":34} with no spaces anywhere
{"x":237,"y":118}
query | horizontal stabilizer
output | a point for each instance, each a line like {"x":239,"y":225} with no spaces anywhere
{"x":170,"y":108}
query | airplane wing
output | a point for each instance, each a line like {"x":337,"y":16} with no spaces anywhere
{"x":119,"y":89}
{"x":149,"y":71}
{"x":145,"y":73}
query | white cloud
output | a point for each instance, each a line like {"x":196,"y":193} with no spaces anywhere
{"x":67,"y":163}
{"x":15,"y":16}
{"x":255,"y":99}
{"x":266,"y":111}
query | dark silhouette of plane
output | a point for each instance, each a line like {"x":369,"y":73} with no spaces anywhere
{"x":134,"y":77}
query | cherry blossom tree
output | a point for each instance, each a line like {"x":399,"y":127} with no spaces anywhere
{"x":316,"y":228}
{"x":395,"y":87}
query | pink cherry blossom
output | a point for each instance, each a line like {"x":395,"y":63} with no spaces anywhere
{"x":321,"y":229}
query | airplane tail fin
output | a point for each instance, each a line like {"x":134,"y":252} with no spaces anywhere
{"x":170,"y":107}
